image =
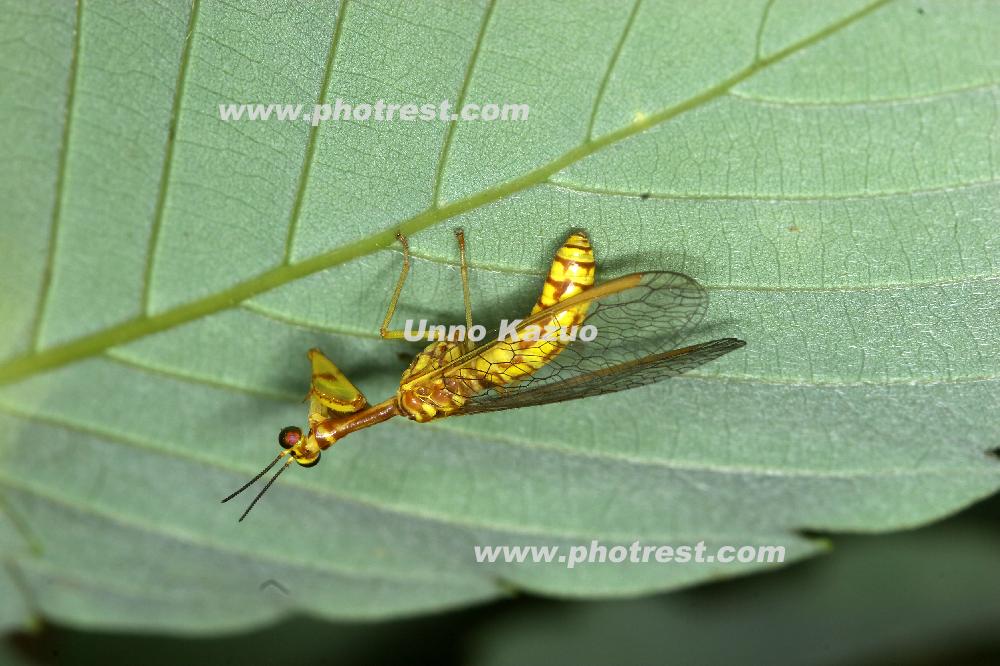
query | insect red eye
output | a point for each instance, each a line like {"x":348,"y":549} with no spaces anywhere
{"x":289,"y":437}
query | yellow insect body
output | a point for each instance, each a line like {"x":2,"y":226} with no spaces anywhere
{"x":572,"y":273}
{"x":638,"y":319}
{"x":420,"y":399}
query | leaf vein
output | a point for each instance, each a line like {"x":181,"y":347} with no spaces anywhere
{"x":310,"y":152}
{"x":602,"y":87}
{"x":324,"y":493}
{"x":191,"y":538}
{"x":95,"y":343}
{"x":459,"y":102}
{"x":168,"y":161}
{"x":885,"y":101}
{"x":60,"y":184}
{"x":718,"y":196}
{"x":760,"y":30}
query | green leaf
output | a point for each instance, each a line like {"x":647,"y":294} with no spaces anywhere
{"x":916,"y":597}
{"x":828,"y":172}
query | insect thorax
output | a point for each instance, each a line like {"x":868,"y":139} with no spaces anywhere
{"x":424,"y":394}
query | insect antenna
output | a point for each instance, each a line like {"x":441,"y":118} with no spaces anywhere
{"x":254,"y":479}
{"x":266,"y":486}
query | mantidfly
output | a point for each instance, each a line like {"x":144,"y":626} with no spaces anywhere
{"x":639,"y":319}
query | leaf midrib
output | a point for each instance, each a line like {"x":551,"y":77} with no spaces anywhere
{"x":138,"y":327}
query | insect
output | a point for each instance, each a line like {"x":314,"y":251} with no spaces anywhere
{"x":639,"y":319}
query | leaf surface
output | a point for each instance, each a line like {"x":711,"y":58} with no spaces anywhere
{"x":828,"y":177}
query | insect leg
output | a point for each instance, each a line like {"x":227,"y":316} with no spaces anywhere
{"x":398,"y":334}
{"x":460,"y":235}
{"x":384,"y":329}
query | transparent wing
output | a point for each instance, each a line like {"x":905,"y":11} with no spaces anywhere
{"x":630,"y":374}
{"x":639,"y":318}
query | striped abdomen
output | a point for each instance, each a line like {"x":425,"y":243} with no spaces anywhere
{"x":571,"y":273}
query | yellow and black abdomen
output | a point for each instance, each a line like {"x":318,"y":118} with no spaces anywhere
{"x":572,"y":273}
{"x":501,"y":363}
